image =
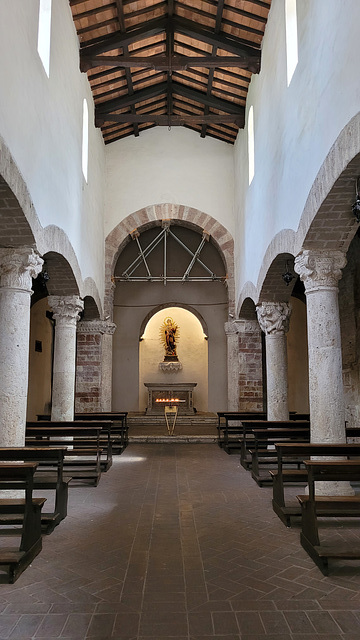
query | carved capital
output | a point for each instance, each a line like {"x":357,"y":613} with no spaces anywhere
{"x":274,"y":317}
{"x":320,"y":269}
{"x":96,"y":326}
{"x":233,"y":328}
{"x":18,"y":267}
{"x":66,"y":309}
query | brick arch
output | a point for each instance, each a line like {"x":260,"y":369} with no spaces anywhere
{"x":167,"y":305}
{"x":152,"y":216}
{"x":327,"y":221}
{"x":18,"y":219}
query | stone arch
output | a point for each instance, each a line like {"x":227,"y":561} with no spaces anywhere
{"x":20,"y":225}
{"x":173,"y":304}
{"x":327,"y":221}
{"x":184,"y":216}
{"x":248,"y":310}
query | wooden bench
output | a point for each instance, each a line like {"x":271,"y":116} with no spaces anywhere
{"x":229,"y":435}
{"x":248,"y":440}
{"x":15,"y":559}
{"x":335,"y":506}
{"x":49,"y":477}
{"x":84,"y":448}
{"x":105,"y":438}
{"x":299,"y":451}
{"x":119,"y":425}
{"x":263,"y":450}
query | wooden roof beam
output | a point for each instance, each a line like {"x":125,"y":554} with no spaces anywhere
{"x":163,"y":63}
{"x":172,"y":120}
{"x":120,"y":39}
{"x":219,"y":40}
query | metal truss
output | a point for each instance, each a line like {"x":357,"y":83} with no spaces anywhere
{"x":162,"y":237}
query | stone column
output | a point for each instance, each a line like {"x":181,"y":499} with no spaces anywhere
{"x":320,"y":271}
{"x":66,"y":314}
{"x":17,"y":268}
{"x":94,"y":365}
{"x":274,"y":320}
{"x":232,"y":334}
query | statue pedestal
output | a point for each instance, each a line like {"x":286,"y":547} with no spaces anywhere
{"x":183,"y":391}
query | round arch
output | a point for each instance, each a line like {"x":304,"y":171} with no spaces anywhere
{"x":153,"y":216}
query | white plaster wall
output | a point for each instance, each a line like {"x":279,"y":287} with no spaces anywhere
{"x":41,"y":124}
{"x":295,"y":126}
{"x":191,"y":350}
{"x":176,"y":167}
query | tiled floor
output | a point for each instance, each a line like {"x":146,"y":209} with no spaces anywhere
{"x":177,"y":541}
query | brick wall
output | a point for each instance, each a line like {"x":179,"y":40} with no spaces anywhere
{"x":251,"y":395}
{"x":88,"y":372}
{"x":349,"y":304}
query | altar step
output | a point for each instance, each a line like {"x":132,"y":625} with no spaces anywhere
{"x":197,"y":428}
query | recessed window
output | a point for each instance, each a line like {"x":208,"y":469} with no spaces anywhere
{"x":85,"y":139}
{"x":251,"y":144}
{"x":44,"y":34}
{"x":291,"y":38}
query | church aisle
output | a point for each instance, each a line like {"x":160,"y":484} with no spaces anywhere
{"x":177,"y":542}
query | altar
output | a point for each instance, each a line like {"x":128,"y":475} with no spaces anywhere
{"x":178,"y":393}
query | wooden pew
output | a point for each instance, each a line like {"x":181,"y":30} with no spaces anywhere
{"x":16,"y":558}
{"x":299,"y":451}
{"x":105,"y":438}
{"x":119,"y":426}
{"x":229,"y":435}
{"x":83,"y":456}
{"x":49,"y":476}
{"x":247,"y":439}
{"x":263,"y":450}
{"x":336,"y":506}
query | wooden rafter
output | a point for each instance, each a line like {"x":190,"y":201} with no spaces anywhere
{"x":170,"y":62}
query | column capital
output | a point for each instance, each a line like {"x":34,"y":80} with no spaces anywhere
{"x":320,"y":268}
{"x":66,"y":309}
{"x":96,"y":326}
{"x":233,"y":328}
{"x":274,"y":317}
{"x":18,"y":267}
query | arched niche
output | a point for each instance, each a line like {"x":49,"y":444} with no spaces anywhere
{"x":192,"y":352}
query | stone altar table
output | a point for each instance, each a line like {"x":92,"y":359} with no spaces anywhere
{"x":160,"y":391}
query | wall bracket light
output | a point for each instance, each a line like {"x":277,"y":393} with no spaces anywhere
{"x":287,"y":276}
{"x":356,"y":205}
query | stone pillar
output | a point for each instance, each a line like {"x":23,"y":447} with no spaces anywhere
{"x":274,"y":320}
{"x":66,"y":314}
{"x":250,"y":366}
{"x":17,"y":268}
{"x":94,"y":365}
{"x":232,"y":335}
{"x":320,"y":271}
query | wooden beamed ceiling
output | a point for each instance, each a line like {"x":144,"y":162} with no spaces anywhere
{"x":174,"y":63}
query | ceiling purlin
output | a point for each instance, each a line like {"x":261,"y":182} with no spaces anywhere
{"x":129,"y":82}
{"x":88,"y":53}
{"x":189,"y":55}
{"x":219,"y":14}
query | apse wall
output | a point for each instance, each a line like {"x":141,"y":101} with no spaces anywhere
{"x":295,"y":126}
{"x":176,"y":167}
{"x":41,"y":126}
